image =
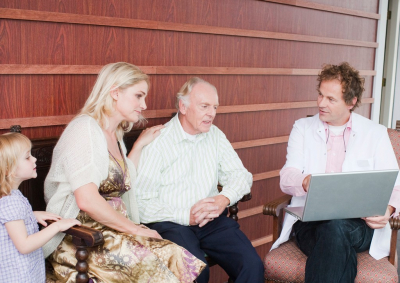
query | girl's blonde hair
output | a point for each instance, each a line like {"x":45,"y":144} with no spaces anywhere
{"x":12,"y":146}
{"x":100,"y":103}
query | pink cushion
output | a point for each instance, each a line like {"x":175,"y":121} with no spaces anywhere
{"x":287,"y":264}
{"x":395,"y":140}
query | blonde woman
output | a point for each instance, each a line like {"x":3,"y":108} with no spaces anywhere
{"x":91,"y":179}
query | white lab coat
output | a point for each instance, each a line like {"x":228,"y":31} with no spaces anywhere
{"x":368,"y":148}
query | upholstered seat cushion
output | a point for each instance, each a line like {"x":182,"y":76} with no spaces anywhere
{"x":394,"y":136}
{"x":287,"y":264}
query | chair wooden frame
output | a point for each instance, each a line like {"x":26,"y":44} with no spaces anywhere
{"x":275,"y":209}
{"x":83,"y":237}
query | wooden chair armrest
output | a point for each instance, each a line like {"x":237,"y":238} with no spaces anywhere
{"x":90,"y":237}
{"x":234,"y":209}
{"x":275,"y":207}
{"x":246,"y":197}
{"x":83,"y":238}
{"x":394,"y":225}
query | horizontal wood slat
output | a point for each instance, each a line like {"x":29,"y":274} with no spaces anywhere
{"x":260,"y":142}
{"x":250,"y":212}
{"x":33,"y":122}
{"x":23,"y":69}
{"x":262,"y":241}
{"x":265,"y":175}
{"x":42,"y":16}
{"x":326,"y":8}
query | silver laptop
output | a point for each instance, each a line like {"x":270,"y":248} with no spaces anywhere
{"x":346,"y":195}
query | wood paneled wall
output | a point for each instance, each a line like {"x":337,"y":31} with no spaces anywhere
{"x":263,"y":57}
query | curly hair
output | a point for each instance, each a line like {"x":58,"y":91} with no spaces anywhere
{"x":349,"y":78}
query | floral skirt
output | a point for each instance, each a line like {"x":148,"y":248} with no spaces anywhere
{"x":128,"y":258}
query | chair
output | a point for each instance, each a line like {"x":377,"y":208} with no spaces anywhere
{"x":287,"y":263}
{"x":33,"y":190}
{"x":83,"y":237}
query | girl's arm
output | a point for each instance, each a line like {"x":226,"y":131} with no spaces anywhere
{"x":26,"y":244}
{"x":42,"y":216}
{"x":146,"y":137}
{"x":89,"y":200}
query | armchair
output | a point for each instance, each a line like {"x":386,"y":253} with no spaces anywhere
{"x":83,"y":237}
{"x":33,"y":190}
{"x":287,"y":263}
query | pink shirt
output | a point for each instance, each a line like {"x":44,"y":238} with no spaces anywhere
{"x":291,"y":181}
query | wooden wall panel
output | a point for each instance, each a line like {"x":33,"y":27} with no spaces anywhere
{"x":262,"y":189}
{"x":57,"y":95}
{"x":367,"y":6}
{"x":242,"y":14}
{"x":112,"y":44}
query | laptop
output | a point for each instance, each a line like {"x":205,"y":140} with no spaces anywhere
{"x":346,"y":195}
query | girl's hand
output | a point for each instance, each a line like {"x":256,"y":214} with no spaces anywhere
{"x":148,"y":135}
{"x":65,"y":224}
{"x":42,"y":216}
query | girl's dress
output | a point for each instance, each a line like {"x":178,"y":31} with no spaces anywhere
{"x":124,"y":257}
{"x":14,"y":266}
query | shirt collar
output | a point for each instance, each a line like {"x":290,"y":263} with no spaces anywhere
{"x":179,"y":132}
{"x":349,"y":124}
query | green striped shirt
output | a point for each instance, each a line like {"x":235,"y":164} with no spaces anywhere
{"x":174,"y":173}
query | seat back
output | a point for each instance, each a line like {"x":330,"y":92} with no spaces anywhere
{"x":394,"y":135}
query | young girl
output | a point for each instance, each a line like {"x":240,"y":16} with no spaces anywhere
{"x":21,"y":256}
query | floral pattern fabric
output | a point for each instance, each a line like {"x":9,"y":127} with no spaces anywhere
{"x":124,"y":257}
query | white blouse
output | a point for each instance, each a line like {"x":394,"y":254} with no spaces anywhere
{"x":79,"y":158}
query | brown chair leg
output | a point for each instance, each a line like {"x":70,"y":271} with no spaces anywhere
{"x":81,"y":255}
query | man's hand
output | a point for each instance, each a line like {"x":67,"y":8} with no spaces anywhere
{"x":306,"y":183}
{"x":222,"y":202}
{"x":378,"y":222}
{"x":203,"y":211}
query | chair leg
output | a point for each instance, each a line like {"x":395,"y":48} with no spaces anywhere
{"x":81,"y":255}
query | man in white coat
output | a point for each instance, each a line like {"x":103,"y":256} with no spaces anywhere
{"x":337,"y":140}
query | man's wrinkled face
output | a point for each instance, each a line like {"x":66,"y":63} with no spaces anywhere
{"x":197,"y":117}
{"x":332,"y":108}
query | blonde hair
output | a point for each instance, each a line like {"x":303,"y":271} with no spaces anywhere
{"x":186,"y":89}
{"x":100,"y":103}
{"x":12,"y":146}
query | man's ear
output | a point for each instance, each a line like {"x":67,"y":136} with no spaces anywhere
{"x":182,"y":107}
{"x":354,"y":101}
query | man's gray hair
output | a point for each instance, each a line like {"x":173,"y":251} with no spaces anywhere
{"x":186,"y":89}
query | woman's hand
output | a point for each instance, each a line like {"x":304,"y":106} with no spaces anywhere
{"x":146,"y":232}
{"x":42,"y":216}
{"x":148,"y":135}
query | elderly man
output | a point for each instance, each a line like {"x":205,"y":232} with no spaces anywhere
{"x":177,"y":183}
{"x":337,"y":140}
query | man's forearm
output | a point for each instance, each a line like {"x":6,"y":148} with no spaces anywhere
{"x":291,"y":181}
